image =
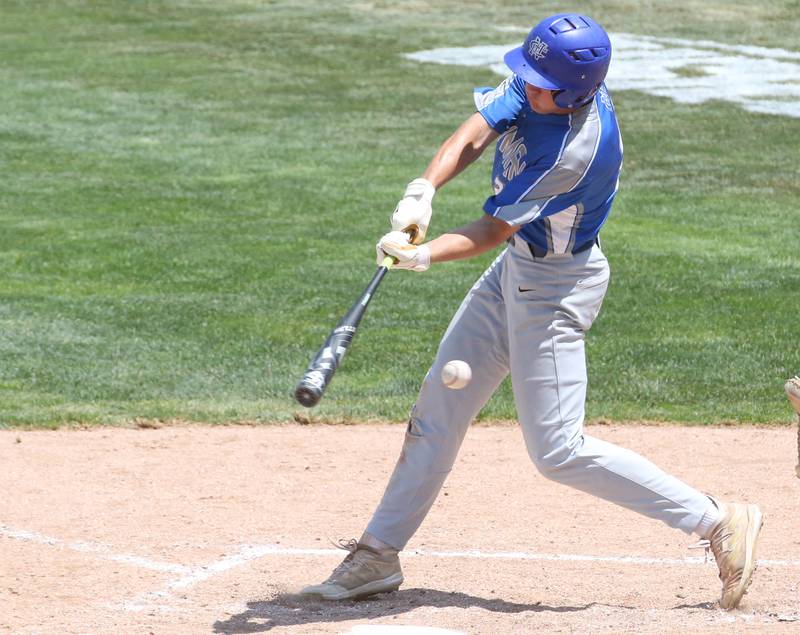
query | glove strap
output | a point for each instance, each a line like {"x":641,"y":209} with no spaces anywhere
{"x":423,"y":258}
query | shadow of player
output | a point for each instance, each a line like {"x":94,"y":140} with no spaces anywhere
{"x":294,"y":610}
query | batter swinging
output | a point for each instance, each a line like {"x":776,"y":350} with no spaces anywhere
{"x":557,"y":162}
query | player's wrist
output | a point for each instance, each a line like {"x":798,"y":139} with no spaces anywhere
{"x":423,"y":259}
{"x":421,"y":189}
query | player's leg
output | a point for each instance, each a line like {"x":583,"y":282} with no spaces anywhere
{"x":546,"y":340}
{"x":441,"y":416}
{"x":547,"y":326}
{"x":435,"y":431}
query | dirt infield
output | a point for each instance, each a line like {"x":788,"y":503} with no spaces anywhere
{"x":195,"y":529}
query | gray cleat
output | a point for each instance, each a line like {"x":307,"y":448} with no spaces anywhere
{"x":363,"y":572}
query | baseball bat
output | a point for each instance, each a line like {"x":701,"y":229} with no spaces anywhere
{"x":320,"y":371}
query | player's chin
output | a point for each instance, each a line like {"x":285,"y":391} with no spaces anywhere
{"x":537,"y":108}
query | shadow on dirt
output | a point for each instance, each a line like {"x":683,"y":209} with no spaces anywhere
{"x":710,"y":606}
{"x":294,"y":610}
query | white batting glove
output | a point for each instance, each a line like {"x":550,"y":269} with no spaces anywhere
{"x":413,"y":212}
{"x":408,"y":256}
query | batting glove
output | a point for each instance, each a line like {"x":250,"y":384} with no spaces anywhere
{"x":413,"y":212}
{"x":408,"y":256}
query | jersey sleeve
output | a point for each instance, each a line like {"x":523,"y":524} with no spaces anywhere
{"x":500,"y":106}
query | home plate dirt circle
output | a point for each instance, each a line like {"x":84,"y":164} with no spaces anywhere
{"x":382,"y":629}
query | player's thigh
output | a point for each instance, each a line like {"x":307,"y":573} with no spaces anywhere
{"x":478,"y":332}
{"x":441,"y":415}
{"x":547,"y":327}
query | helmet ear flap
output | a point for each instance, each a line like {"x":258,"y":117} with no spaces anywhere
{"x":557,"y":98}
{"x":568,"y":98}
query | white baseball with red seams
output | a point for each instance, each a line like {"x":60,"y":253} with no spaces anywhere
{"x":456,"y":374}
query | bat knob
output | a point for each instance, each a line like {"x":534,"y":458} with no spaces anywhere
{"x":307,"y":394}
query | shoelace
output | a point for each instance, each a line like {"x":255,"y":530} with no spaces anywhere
{"x":350,"y":546}
{"x":705,"y":544}
{"x":345,"y":545}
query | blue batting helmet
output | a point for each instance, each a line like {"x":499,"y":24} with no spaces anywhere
{"x":568,"y":53}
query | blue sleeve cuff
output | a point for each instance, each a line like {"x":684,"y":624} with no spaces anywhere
{"x":497,"y":127}
{"x":477,"y":94}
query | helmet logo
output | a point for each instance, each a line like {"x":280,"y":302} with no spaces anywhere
{"x":537,"y":48}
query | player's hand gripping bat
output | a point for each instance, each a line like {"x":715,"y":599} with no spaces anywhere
{"x":324,"y":364}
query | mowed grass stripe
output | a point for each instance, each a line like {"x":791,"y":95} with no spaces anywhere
{"x":192,"y":191}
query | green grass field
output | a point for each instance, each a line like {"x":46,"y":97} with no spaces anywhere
{"x":191,"y":193}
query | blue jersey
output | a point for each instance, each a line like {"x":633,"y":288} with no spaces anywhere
{"x":556,"y":175}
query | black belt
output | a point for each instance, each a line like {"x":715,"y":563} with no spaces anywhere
{"x":538,"y":252}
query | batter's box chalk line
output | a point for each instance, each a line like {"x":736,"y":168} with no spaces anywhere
{"x":187,"y":577}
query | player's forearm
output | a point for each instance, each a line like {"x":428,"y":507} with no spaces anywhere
{"x":470,"y":240}
{"x":463,"y":147}
{"x":450,"y":160}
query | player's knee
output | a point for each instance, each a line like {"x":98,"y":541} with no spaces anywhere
{"x":549,"y":467}
{"x":427,"y":447}
{"x":551,"y":462}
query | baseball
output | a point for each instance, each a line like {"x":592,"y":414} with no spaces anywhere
{"x":456,"y":374}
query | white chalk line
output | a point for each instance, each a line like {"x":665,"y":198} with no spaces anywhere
{"x":245,"y":555}
{"x":522,"y":555}
{"x":98,"y":549}
{"x":191,"y":576}
{"x":157,"y":600}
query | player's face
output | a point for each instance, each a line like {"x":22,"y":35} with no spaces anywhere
{"x":541,"y":101}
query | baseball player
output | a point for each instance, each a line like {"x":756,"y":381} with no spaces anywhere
{"x":557,"y":161}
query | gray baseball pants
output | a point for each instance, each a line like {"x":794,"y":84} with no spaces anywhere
{"x":527,"y":316}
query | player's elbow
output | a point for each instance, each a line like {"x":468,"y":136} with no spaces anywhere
{"x":498,"y":230}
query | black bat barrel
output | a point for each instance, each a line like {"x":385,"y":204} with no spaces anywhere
{"x":321,"y":369}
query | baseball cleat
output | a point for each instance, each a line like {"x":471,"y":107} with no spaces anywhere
{"x":733,"y":543}
{"x":365,"y":571}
